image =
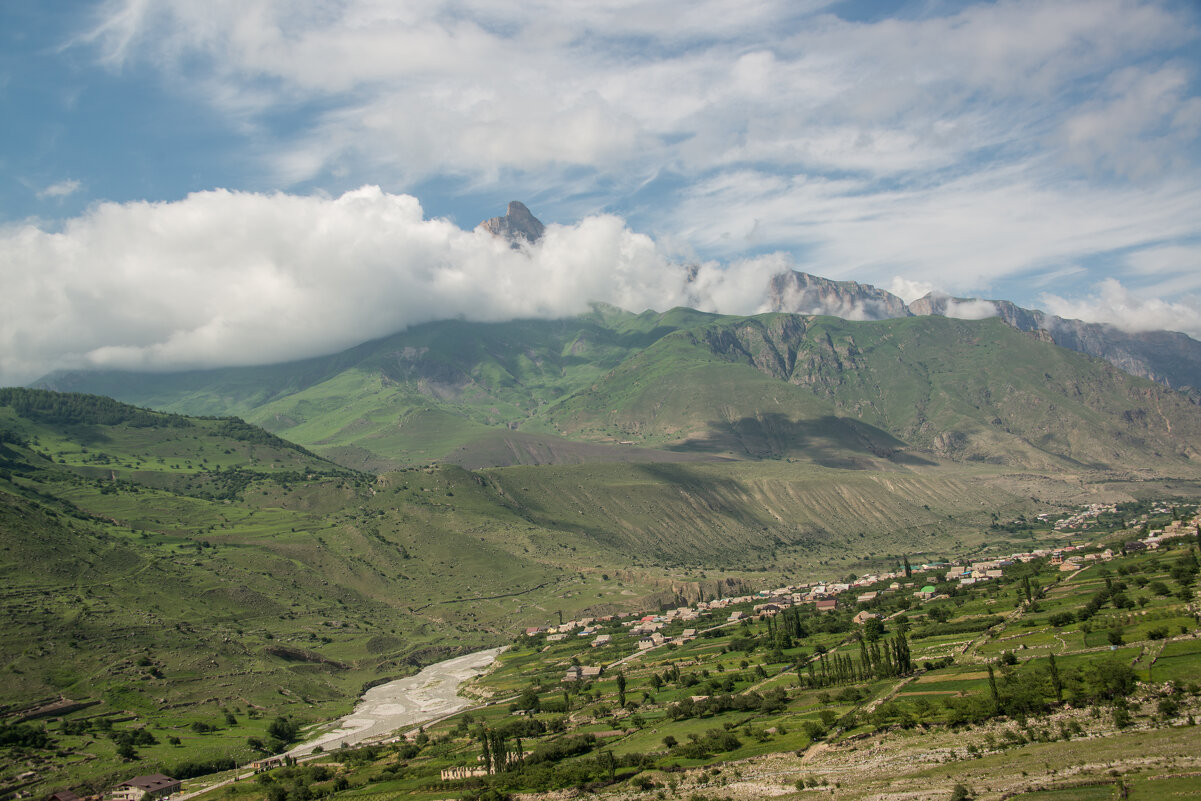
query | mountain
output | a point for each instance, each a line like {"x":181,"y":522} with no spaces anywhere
{"x":199,"y":577}
{"x":689,"y":386}
{"x":518,"y":225}
{"x":1166,"y":357}
{"x":802,"y":293}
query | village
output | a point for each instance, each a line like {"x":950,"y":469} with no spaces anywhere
{"x":829,"y":596}
{"x":923,"y":583}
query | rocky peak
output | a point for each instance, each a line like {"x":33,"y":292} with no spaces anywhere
{"x":802,"y":293}
{"x":518,"y":225}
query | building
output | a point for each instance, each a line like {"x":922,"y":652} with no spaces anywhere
{"x":827,"y":605}
{"x":156,"y":785}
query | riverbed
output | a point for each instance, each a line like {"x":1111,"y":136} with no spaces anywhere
{"x":405,"y":703}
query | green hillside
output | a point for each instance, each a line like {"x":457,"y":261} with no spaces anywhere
{"x":688,"y":386}
{"x":167,"y":570}
{"x":844,"y":393}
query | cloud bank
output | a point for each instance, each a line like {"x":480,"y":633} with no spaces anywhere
{"x":1112,"y":303}
{"x":222,"y":278}
{"x":235,"y":278}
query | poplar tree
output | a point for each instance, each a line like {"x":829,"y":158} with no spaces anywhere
{"x":1056,"y":682}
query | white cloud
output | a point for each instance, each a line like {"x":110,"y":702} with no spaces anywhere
{"x":225,"y":277}
{"x":1113,"y":303}
{"x":60,"y":190}
{"x":908,"y":290}
{"x":970,"y":309}
{"x":424,"y":88}
{"x":1015,"y":140}
{"x":1141,"y":127}
{"x":239,"y":278}
{"x":962,"y":236}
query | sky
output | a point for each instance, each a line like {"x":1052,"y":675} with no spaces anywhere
{"x":190,"y":184}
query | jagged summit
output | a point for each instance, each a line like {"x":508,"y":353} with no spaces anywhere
{"x":518,"y":225}
{"x":1168,"y":357}
{"x":802,"y":293}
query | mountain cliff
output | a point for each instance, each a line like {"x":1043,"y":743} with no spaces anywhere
{"x":802,"y":293}
{"x":890,"y":394}
{"x":518,"y":225}
{"x":1166,"y":357}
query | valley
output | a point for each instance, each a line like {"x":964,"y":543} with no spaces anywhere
{"x":181,"y":581}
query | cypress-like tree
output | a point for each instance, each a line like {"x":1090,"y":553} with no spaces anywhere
{"x":484,"y":742}
{"x":992,"y":688}
{"x":1056,"y":682}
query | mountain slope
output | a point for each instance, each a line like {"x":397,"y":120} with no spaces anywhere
{"x":884,"y":394}
{"x":1166,"y":357}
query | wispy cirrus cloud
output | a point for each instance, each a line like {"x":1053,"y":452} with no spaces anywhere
{"x":60,"y":189}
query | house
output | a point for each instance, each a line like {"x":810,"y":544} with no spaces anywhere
{"x":866,"y":597}
{"x":827,"y":605}
{"x":64,"y":795}
{"x":260,"y":765}
{"x":688,"y":634}
{"x":926,"y":592}
{"x":556,"y":638}
{"x":580,"y":673}
{"x":603,"y":639}
{"x":863,"y":617}
{"x":736,"y":616}
{"x":155,"y":785}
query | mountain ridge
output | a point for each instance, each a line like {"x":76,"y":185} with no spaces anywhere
{"x":691,"y":386}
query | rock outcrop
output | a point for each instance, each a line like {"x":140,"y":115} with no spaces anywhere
{"x":1166,"y":357}
{"x":518,"y":225}
{"x":802,"y":293}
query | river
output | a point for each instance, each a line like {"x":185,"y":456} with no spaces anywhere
{"x":405,"y":703}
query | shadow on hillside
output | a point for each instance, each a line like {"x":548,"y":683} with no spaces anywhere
{"x":658,"y":522}
{"x":829,"y":441}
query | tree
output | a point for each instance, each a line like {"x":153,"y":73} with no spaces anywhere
{"x":873,"y":629}
{"x":283,"y":729}
{"x":1056,"y":682}
{"x":992,"y":688}
{"x":621,"y":688}
{"x":908,"y":569}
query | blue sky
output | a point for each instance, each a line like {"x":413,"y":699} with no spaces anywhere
{"x":189,"y":184}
